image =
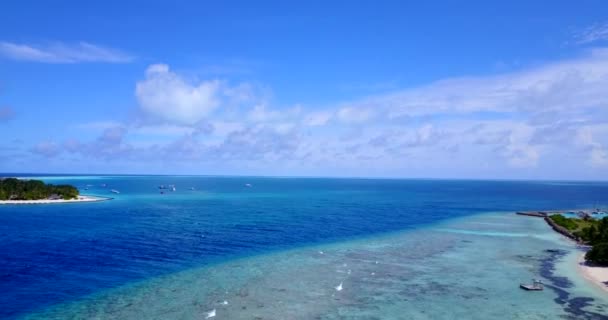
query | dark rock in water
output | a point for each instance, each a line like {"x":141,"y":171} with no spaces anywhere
{"x":547,"y":269}
{"x":575,"y":305}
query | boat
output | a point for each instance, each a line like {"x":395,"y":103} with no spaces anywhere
{"x":536,"y":285}
{"x":115,"y":191}
{"x":248,"y":185}
{"x":163,"y":187}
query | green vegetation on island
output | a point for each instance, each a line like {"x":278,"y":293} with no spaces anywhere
{"x":568,"y":223}
{"x":590,"y":231}
{"x":16,"y":189}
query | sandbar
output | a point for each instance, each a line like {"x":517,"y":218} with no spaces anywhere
{"x":597,"y":275}
{"x":82,"y":198}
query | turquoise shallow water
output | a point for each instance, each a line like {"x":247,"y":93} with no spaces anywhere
{"x":469,"y":268}
{"x":181,"y":254}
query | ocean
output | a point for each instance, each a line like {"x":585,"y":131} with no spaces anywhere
{"x":295,"y":248}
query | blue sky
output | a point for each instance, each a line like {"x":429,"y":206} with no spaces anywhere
{"x":371,"y":88}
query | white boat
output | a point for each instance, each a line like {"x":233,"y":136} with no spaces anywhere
{"x":537,"y":285}
{"x":115,"y":191}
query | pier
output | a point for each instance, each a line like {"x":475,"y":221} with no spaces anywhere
{"x":540,"y":214}
{"x":546,"y":216}
{"x":536,"y":285}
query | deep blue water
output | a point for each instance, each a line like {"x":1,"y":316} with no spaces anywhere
{"x":56,"y":253}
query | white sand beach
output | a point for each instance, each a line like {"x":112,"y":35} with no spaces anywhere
{"x":595,"y":274}
{"x":82,"y":198}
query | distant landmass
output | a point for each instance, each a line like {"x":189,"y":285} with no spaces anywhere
{"x":16,"y":189}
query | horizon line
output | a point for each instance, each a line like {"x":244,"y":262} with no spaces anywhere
{"x":42,"y":174}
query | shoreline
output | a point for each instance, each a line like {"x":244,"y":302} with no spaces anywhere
{"x":80,"y":199}
{"x":594,"y":274}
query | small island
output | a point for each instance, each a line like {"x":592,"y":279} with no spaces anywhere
{"x":17,"y":191}
{"x":589,"y":231}
{"x":589,"y":228}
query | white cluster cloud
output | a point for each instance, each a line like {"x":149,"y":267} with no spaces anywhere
{"x":570,"y":86}
{"x":505,"y":122}
{"x":317,"y":118}
{"x":355,"y":114}
{"x":63,"y":53}
{"x":598,"y":152}
{"x":169,"y":97}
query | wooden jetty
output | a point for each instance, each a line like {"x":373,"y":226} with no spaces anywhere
{"x":540,"y":214}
